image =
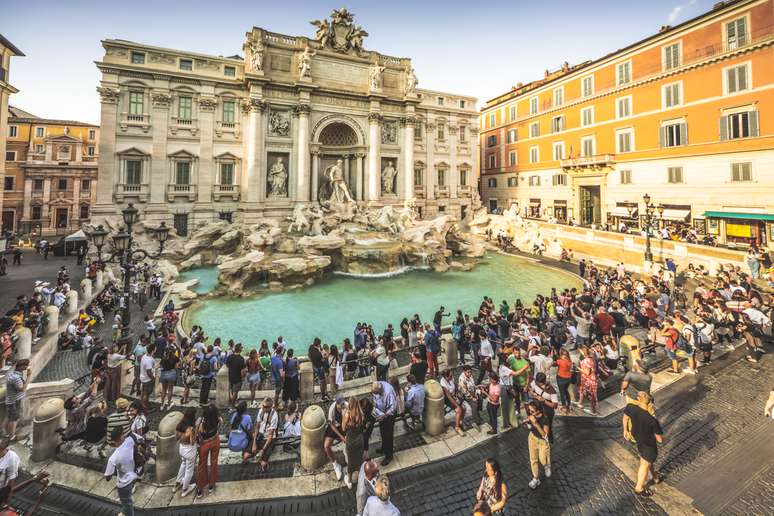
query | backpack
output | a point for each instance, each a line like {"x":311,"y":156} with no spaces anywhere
{"x":140,"y":452}
{"x":205,"y":367}
{"x":238,"y":438}
{"x":700,"y":338}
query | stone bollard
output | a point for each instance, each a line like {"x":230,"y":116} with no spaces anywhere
{"x":23,"y":343}
{"x":433,"y":417}
{"x":306,"y":379}
{"x":630,"y":346}
{"x":52,"y":316}
{"x":99,"y":283}
{"x":452,"y":354}
{"x":312,"y":433}
{"x":86,"y":288}
{"x":49,"y":417}
{"x":167,"y":452}
{"x":71,"y":303}
{"x":127,"y":376}
{"x":221,"y":388}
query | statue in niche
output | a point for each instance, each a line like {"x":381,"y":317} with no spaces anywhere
{"x":389,"y":132}
{"x":256,"y":54}
{"x":335,"y":189}
{"x":411,"y":81}
{"x":388,"y":178}
{"x":279,"y":123}
{"x":305,"y":63}
{"x":278,"y":179}
{"x":375,"y":76}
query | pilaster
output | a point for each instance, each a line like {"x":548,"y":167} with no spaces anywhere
{"x":374,"y":150}
{"x":107,"y":171}
{"x":302,"y":145}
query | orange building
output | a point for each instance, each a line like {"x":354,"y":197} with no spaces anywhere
{"x":685,"y":115}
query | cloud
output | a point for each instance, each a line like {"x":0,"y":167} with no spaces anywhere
{"x":679,"y":8}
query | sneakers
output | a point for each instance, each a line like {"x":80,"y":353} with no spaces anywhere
{"x":337,"y":470}
{"x":347,"y":481}
{"x":199,"y":494}
{"x":547,"y":471}
{"x":188,"y":491}
{"x":688,"y":370}
{"x":588,"y":411}
{"x":534,"y":483}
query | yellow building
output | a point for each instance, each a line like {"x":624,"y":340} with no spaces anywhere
{"x":685,"y":115}
{"x":7,"y":50}
{"x":51,"y":171}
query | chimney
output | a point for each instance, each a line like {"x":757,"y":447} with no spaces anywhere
{"x":664,"y":28}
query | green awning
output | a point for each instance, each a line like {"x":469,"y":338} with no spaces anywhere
{"x":733,"y":215}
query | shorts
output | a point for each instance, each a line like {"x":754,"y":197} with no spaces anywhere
{"x":319,"y":372}
{"x":147,"y":387}
{"x":648,"y":453}
{"x":168,"y":376}
{"x":234,"y":387}
{"x":14,"y":411}
{"x":674,"y":354}
{"x":254,"y":379}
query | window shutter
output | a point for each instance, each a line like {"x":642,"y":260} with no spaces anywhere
{"x":683,"y":134}
{"x":723,"y":128}
{"x":753,"y":120}
{"x":741,"y":77}
{"x":731,"y":80}
{"x":735,"y":172}
{"x":741,"y":30}
{"x":662,"y":136}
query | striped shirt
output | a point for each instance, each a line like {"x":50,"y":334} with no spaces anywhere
{"x":14,"y":387}
{"x":118,"y":420}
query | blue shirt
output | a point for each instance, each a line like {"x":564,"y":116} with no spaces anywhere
{"x":291,"y":367}
{"x":415,"y":400}
{"x":276,"y":369}
{"x":213,"y":365}
{"x":385,"y":403}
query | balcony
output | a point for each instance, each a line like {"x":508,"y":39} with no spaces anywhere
{"x":175,"y":190}
{"x":131,"y":120}
{"x":137,"y":191}
{"x":220,"y":191}
{"x":596,"y":162}
{"x":464,"y":191}
{"x":222,"y":128}
{"x":184,"y":124}
{"x":419,"y":191}
{"x":441,"y":192}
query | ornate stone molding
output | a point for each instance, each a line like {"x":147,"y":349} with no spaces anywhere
{"x":161,"y":99}
{"x":375,"y":117}
{"x":302,"y":109}
{"x":430,"y":126}
{"x":108,"y":95}
{"x":249,"y":105}
{"x":408,"y":120}
{"x":452,"y":129}
{"x":208,"y":103}
{"x":360,"y":154}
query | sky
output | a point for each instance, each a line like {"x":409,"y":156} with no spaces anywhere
{"x":478,"y":48}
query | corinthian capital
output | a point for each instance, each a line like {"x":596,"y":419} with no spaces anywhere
{"x":375,"y":117}
{"x":207,"y":103}
{"x":249,"y":105}
{"x":108,"y":95}
{"x":408,"y":120}
{"x":302,"y":109}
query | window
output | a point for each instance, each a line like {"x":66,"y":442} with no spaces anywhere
{"x":13,"y":131}
{"x":534,"y":154}
{"x":441,"y":132}
{"x":533,"y":105}
{"x":559,"y":180}
{"x":674,"y":134}
{"x":136,"y":103}
{"x":37,"y":213}
{"x":512,"y":158}
{"x":463,"y":177}
{"x":625,"y":140}
{"x":84,"y":211}
{"x":491,"y":140}
{"x":492,"y":182}
{"x":186,"y":64}
{"x":675,"y":175}
{"x":138,"y":58}
{"x":10,"y":155}
{"x":534,"y":180}
{"x":624,"y":73}
{"x":462,"y":104}
{"x":134,"y":172}
{"x":625,"y":177}
{"x":439,"y":100}
{"x":229,"y":71}
{"x":182,"y":172}
{"x":61,"y":184}
{"x":418,"y":177}
{"x":40,"y":132}
{"x":85,"y":185}
{"x":492,"y":119}
{"x":557,"y":124}
{"x":228,"y":216}
{"x":623,"y":107}
{"x":558,"y":97}
{"x":39,"y":149}
{"x":736,"y":33}
{"x":37,"y":184}
{"x":671,"y":95}
{"x":739,"y":125}
{"x":737,"y":78}
{"x":741,"y":172}
{"x":534,"y":129}
{"x":587,"y":116}
{"x":227,"y":173}
{"x":558,"y":150}
{"x":512,"y":135}
{"x":418,"y":131}
{"x":512,"y":182}
{"x":8,"y":183}
{"x":92,"y":134}
{"x":90,"y":150}
{"x":513,"y":113}
{"x":463,"y":134}
{"x":492,"y":160}
{"x":184,"y":108}
{"x":229,"y":110}
{"x":441,"y":173}
{"x":671,"y":56}
{"x":180,"y":222}
{"x":587,"y":86}
{"x":587,"y":146}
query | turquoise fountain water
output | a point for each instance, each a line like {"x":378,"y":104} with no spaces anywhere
{"x":330,"y":308}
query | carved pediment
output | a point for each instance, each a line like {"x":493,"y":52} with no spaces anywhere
{"x":182,"y":154}
{"x":133,"y":151}
{"x":63,"y":138}
{"x":226,"y":156}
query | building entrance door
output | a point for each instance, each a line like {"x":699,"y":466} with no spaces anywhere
{"x":61,"y":218}
{"x":590,"y":205}
{"x":8,"y":216}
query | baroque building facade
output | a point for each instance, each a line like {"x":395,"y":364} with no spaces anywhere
{"x":685,"y":115}
{"x":7,"y":50}
{"x":51,"y":174}
{"x":191,"y":138}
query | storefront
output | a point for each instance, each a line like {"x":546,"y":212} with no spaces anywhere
{"x":677,"y":218}
{"x":740,"y":228}
{"x":560,"y":211}
{"x":623,"y":213}
{"x":533,"y":210}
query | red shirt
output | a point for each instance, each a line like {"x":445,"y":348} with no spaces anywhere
{"x":604,"y":322}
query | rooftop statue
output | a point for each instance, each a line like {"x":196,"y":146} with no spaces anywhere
{"x":339,"y":33}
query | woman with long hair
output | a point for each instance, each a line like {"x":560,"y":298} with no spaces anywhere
{"x":492,"y":492}
{"x":186,"y":437}
{"x":209,"y":439}
{"x":588,"y":381}
{"x":335,"y":370}
{"x":168,"y":376}
{"x":190,"y":363}
{"x":353,"y":425}
{"x":253,"y":374}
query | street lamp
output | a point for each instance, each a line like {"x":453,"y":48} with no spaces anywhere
{"x":649,"y":218}
{"x":127,"y":257}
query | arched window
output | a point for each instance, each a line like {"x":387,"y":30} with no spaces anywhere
{"x":338,"y":135}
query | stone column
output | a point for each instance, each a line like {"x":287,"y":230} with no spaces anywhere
{"x":312,"y":433}
{"x":302,"y":159}
{"x":452,"y":353}
{"x":27,"y":208}
{"x":221,"y":388}
{"x":45,"y":216}
{"x":251,"y":172}
{"x":106,"y":171}
{"x":48,"y":418}
{"x":52,"y":315}
{"x":359,"y":179}
{"x":75,"y":208}
{"x":23,"y":342}
{"x":158,"y":174}
{"x":206,"y":173}
{"x":374,"y":159}
{"x":167,"y":454}
{"x":430,"y":172}
{"x":434,"y":403}
{"x":347,"y":169}
{"x":408,"y":156}
{"x":454,"y":174}
{"x":71,"y":303}
{"x":306,"y":379}
{"x":86,"y":288}
{"x":315,"y":173}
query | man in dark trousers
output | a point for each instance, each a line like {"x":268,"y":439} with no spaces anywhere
{"x":385,"y":405}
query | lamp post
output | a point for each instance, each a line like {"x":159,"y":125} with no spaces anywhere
{"x":127,"y":257}
{"x":649,"y":219}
